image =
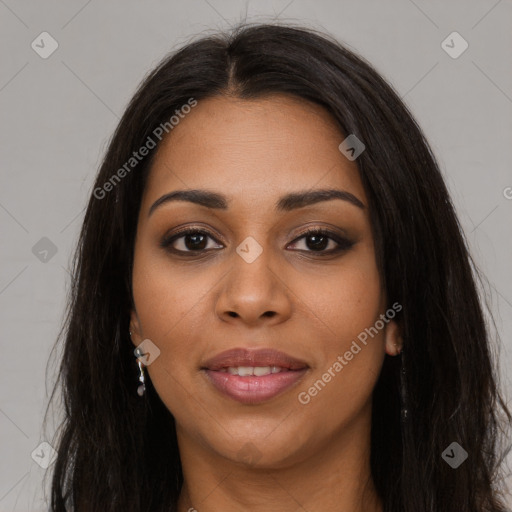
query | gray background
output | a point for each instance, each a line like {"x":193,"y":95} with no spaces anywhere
{"x":58,"y":113}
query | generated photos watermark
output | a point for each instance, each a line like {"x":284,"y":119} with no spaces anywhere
{"x":143,"y":151}
{"x":304,"y":397}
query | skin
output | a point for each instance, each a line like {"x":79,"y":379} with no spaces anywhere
{"x":311,"y":456}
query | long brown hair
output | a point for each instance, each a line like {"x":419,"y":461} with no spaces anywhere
{"x":118,"y":452}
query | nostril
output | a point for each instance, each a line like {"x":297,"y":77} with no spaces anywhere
{"x":269,"y":313}
{"x":232,"y":314}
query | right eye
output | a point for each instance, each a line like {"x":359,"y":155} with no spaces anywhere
{"x":188,"y":241}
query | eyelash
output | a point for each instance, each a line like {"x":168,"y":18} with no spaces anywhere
{"x":343,"y":243}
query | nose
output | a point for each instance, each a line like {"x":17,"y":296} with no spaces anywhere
{"x":254,"y":293}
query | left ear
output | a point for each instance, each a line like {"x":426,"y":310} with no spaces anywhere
{"x":393,"y":338}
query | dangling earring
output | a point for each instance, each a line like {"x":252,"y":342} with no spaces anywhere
{"x":142,"y":387}
{"x":403,"y":389}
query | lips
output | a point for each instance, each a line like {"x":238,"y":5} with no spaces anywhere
{"x":261,"y":357}
{"x":253,"y":376}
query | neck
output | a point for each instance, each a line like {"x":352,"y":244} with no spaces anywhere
{"x":332,"y":477}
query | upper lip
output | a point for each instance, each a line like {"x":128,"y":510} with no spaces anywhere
{"x":260,"y":357}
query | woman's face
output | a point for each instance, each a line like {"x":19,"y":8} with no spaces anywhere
{"x":253,"y":280}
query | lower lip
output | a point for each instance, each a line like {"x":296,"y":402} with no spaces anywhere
{"x":251,"y":389}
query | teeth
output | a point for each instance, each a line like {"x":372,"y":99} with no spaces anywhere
{"x":257,"y":371}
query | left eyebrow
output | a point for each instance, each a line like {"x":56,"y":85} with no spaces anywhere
{"x":305,"y":198}
{"x":286,"y":203}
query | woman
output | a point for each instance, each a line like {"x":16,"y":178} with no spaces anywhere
{"x":273,"y":306}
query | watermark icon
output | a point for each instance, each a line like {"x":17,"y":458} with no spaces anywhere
{"x":44,"y":45}
{"x":249,"y":454}
{"x":146,"y":352}
{"x":454,"y":45}
{"x":507,"y":192}
{"x":44,"y":250}
{"x":351,"y":147}
{"x":454,"y":455}
{"x":143,"y":151}
{"x":44,"y":455}
{"x":304,"y":397}
{"x":249,"y":249}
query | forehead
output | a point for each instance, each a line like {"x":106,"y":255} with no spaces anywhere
{"x":252,"y":151}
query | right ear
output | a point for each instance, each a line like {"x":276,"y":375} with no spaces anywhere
{"x":135,"y":329}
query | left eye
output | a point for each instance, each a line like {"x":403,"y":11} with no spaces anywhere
{"x":319,"y":240}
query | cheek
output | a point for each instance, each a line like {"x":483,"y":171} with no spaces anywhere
{"x":348,"y":307}
{"x":170,"y":310}
{"x":164,"y":297}
{"x":348,"y":299}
